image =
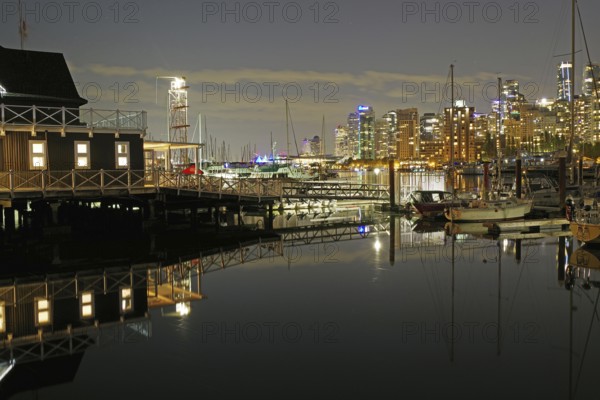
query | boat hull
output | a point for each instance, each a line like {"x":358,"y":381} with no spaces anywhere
{"x":430,"y":210}
{"x":495,"y":211}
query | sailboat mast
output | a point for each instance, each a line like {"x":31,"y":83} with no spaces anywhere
{"x":324,"y":146}
{"x":501,"y":138}
{"x":287,"y":131}
{"x":572,"y":90}
{"x":452,"y":127}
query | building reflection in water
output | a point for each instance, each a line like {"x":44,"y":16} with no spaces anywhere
{"x":48,"y":321}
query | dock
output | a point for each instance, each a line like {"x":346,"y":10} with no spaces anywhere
{"x":528,"y":226}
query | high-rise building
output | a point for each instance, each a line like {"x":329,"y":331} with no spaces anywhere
{"x":366,"y":132}
{"x":381,"y":138}
{"x":564,"y":81}
{"x":459,"y":135}
{"x":408,"y":134}
{"x":391,"y":126}
{"x":591,"y":72}
{"x":352,"y":132}
{"x":484,"y":143}
{"x":430,"y":128}
{"x":512,"y":99}
{"x":311,"y":147}
{"x":342,"y":148}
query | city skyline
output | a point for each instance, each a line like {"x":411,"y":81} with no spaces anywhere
{"x":338,"y":62}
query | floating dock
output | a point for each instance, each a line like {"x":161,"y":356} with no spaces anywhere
{"x":528,"y":226}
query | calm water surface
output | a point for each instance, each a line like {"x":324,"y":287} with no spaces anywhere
{"x":391,"y":306}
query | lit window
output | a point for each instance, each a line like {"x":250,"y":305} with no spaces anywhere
{"x":43,"y":315}
{"x":82,"y":155}
{"x":87,"y":304}
{"x":122,"y":154}
{"x":37,"y":154}
{"x":126,"y":297}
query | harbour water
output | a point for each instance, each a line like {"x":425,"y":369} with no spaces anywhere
{"x":369,"y":306}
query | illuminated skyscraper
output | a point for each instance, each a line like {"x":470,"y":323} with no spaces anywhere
{"x":408,"y":134}
{"x":564,"y":81}
{"x":352,"y":133}
{"x":390,"y":125}
{"x":430,"y":126}
{"x":366,"y":132}
{"x":591,"y":72}
{"x":342,"y":148}
{"x":463,"y":140}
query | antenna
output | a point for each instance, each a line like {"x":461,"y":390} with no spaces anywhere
{"x":22,"y":25}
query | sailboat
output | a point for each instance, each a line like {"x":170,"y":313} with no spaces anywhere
{"x":282,"y":171}
{"x":585,"y":221}
{"x":493,"y":209}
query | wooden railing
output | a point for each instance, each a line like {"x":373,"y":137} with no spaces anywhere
{"x":25,"y":116}
{"x":72,"y":181}
{"x":77,"y":180}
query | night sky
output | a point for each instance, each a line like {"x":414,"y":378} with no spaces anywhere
{"x":338,"y":54}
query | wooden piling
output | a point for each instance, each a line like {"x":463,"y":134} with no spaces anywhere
{"x":519,"y":177}
{"x":392,"y":178}
{"x":392,"y":239}
{"x":580,"y":172}
{"x":562,"y":180}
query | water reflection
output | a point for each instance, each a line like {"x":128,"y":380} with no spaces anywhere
{"x":420,"y":300}
{"x":409,"y":181}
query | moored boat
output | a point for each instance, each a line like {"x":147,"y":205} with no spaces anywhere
{"x":429,"y":203}
{"x":585,"y":224}
{"x":489,"y":210}
{"x":279,"y":171}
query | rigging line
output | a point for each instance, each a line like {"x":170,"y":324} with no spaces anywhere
{"x":443,"y":92}
{"x":514,"y":296}
{"x":435,"y":294}
{"x":587,"y":341}
{"x":559,"y":26}
{"x":587,"y":50}
{"x":293,"y":132}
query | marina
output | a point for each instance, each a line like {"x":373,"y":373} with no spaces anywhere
{"x":417,"y":224}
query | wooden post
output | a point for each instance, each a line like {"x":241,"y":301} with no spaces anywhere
{"x":392,"y":239}
{"x":580,"y":171}
{"x":561,"y":258}
{"x":269,"y":224}
{"x":392,"y":179}
{"x":562,"y":180}
{"x":9,"y":219}
{"x":486,"y":180}
{"x":519,"y":177}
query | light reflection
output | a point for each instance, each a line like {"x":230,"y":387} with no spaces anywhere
{"x":377,"y":245}
{"x":183,"y":308}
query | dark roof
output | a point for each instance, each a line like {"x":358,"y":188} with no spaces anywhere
{"x":37,"y":78}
